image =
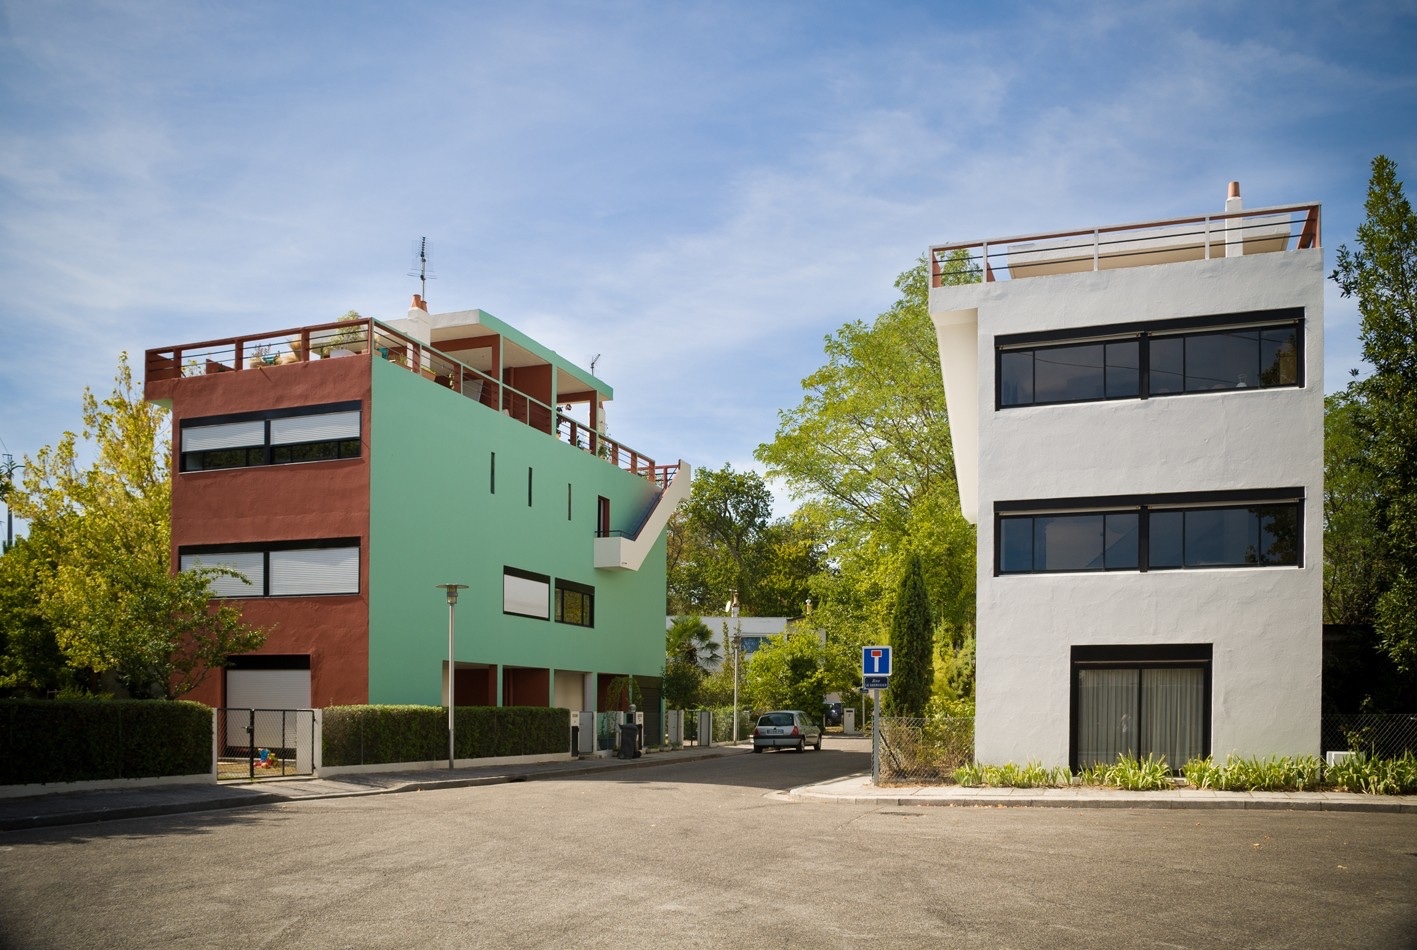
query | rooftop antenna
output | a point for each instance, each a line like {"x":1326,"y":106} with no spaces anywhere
{"x":421,"y":269}
{"x":594,"y":360}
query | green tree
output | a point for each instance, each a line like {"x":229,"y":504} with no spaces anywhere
{"x":1353,"y":563}
{"x":1382,"y":275}
{"x":31,"y":663}
{"x":868,"y":455}
{"x":723,"y":539}
{"x":912,"y":643}
{"x":111,"y":598}
{"x":788,"y":672}
{"x":689,"y":639}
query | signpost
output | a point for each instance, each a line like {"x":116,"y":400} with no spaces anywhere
{"x":875,"y":676}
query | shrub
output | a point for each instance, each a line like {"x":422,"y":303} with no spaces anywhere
{"x":1274,"y":774}
{"x":1009,"y":775}
{"x":51,"y":740}
{"x":1130,"y":773}
{"x":1361,"y":773}
{"x":378,"y":735}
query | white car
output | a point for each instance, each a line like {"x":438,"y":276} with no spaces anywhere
{"x":786,"y":729}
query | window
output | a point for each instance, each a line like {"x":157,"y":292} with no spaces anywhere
{"x":526,"y":594}
{"x":278,"y":437}
{"x":298,"y":568}
{"x":575,"y":603}
{"x":1139,"y":361}
{"x":1140,"y":701}
{"x":1150,"y":533}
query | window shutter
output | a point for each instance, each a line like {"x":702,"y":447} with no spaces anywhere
{"x":321,"y":427}
{"x":250,"y":563}
{"x":229,"y":435}
{"x":315,"y":571}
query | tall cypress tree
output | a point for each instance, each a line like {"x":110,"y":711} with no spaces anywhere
{"x":913,"y":645}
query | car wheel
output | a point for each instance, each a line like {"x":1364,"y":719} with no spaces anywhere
{"x":818,"y":746}
{"x":801,"y":745}
{"x":757,"y":748}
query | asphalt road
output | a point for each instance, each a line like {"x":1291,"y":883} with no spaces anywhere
{"x":707,"y":854}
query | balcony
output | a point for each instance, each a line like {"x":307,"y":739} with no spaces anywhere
{"x":1229,"y":234}
{"x":367,"y":339}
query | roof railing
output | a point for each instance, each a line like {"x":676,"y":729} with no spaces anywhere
{"x":1171,"y":240}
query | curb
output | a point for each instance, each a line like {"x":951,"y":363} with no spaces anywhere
{"x":121,"y":812}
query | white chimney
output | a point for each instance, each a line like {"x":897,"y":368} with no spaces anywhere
{"x":420,"y":327}
{"x":1234,"y":227}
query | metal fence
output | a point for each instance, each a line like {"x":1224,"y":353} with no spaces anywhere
{"x":923,"y":751}
{"x":265,"y":743}
{"x":1382,"y":736}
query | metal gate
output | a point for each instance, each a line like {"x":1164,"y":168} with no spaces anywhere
{"x":264,"y":743}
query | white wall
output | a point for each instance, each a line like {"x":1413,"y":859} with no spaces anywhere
{"x":1264,"y":623}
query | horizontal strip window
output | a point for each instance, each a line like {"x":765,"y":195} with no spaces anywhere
{"x":277,"y":437}
{"x":1150,"y":360}
{"x":575,"y":603}
{"x":526,"y":594}
{"x":1154,"y":535}
{"x":280,"y":570}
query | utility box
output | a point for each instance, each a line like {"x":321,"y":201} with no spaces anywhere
{"x":848,"y":722}
{"x":705,"y":728}
{"x":674,"y":728}
{"x":585,"y":738}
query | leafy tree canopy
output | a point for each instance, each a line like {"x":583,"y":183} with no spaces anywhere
{"x":1381,"y":273}
{"x":103,"y":584}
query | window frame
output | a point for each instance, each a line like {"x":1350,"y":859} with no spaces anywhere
{"x":1144,"y":333}
{"x":564,"y":587}
{"x":1145,"y":506}
{"x":265,"y":549}
{"x":262,"y":454}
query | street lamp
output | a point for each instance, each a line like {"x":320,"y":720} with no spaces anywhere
{"x":737,"y":649}
{"x":7,"y":469}
{"x":452,"y":592}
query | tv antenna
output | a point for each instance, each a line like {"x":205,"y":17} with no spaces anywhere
{"x":420,"y":269}
{"x":594,"y":360}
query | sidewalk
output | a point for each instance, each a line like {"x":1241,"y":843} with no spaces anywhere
{"x":49,"y":809}
{"x":69,"y":808}
{"x":858,"y":790}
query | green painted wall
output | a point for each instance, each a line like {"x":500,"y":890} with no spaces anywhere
{"x":435,"y":519}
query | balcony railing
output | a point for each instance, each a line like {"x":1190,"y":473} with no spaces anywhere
{"x":367,"y":339}
{"x":1263,"y":230}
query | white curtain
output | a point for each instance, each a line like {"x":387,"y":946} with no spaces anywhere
{"x":1172,"y":707}
{"x":1107,"y":715}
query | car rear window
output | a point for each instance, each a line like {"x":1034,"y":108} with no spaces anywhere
{"x":776,"y":719}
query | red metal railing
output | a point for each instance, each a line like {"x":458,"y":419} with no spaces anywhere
{"x":1295,"y":226}
{"x":368,"y":338}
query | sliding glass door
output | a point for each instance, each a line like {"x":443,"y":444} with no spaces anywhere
{"x":1145,"y":703}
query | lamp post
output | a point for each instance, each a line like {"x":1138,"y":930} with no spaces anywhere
{"x":737,"y":649}
{"x":452,"y":592}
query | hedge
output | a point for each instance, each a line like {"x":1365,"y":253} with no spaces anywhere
{"x":55,"y":740}
{"x":377,"y":735}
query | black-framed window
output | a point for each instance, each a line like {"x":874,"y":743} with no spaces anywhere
{"x":283,"y":569}
{"x":1260,"y":350}
{"x":1150,"y":533}
{"x":275,"y":437}
{"x":1139,"y":700}
{"x":575,"y":603}
{"x":526,"y":593}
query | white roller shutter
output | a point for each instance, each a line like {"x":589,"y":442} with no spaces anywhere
{"x":227,"y":435}
{"x":322,"y":427}
{"x":530,"y":598}
{"x":250,"y":563}
{"x":315,"y":571}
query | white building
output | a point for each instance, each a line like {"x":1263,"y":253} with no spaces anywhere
{"x":1137,"y":415}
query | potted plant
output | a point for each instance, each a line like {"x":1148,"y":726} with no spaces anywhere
{"x":260,"y":355}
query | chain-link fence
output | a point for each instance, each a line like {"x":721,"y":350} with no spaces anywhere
{"x":923,"y":751}
{"x":1385,"y":736}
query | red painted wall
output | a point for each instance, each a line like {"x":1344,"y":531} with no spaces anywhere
{"x":283,"y":503}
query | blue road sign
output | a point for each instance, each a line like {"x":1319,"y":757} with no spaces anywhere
{"x":875,"y":682}
{"x":876,"y":661}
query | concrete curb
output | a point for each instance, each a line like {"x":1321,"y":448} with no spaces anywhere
{"x":204,"y":798}
{"x":857,"y":790}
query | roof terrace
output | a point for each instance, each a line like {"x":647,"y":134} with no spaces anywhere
{"x":494,"y":366}
{"x":1233,"y":233}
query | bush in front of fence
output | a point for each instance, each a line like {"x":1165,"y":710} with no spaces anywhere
{"x":381,"y":735}
{"x":61,"y":740}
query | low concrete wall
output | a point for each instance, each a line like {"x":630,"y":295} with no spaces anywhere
{"x":332,"y":770}
{"x":98,"y":785}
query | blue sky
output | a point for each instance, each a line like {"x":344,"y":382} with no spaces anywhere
{"x":697,"y":192}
